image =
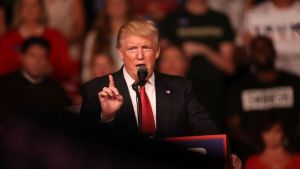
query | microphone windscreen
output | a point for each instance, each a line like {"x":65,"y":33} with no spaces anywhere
{"x":142,"y":73}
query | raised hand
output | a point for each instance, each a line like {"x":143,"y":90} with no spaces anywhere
{"x":110,"y":100}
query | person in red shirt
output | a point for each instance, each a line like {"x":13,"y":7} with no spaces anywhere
{"x":275,"y":153}
{"x":29,"y":20}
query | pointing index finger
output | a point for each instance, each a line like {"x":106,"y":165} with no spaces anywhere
{"x":111,"y":81}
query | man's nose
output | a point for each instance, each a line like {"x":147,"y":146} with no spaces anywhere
{"x":140,"y":54}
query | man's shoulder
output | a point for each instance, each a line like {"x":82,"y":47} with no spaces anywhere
{"x":216,"y":14}
{"x":171,"y":79}
{"x":12,"y":82}
{"x":13,"y":76}
{"x":289,"y":77}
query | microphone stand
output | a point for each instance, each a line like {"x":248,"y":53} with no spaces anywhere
{"x":136,"y":87}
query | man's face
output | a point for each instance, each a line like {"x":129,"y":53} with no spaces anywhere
{"x":138,"y":50}
{"x":262,"y":55}
{"x":35,"y":61}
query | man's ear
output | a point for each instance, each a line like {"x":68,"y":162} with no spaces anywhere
{"x":120,"y":53}
{"x":157,"y":53}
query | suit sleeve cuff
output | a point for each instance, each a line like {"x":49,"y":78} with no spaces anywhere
{"x":107,"y":121}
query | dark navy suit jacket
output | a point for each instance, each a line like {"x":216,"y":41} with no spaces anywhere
{"x":178,"y":112}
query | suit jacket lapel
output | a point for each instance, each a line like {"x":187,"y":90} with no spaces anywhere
{"x":126,"y":116}
{"x":163,"y":105}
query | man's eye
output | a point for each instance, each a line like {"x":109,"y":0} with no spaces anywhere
{"x":131,"y":49}
{"x":147,"y":48}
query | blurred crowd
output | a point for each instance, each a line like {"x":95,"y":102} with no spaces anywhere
{"x":242,"y":56}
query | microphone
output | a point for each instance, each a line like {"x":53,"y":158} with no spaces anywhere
{"x":142,"y":73}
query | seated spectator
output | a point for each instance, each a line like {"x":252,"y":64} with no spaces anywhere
{"x":265,"y":89}
{"x":30,"y":90}
{"x":172,"y":61}
{"x":101,"y":65}
{"x":275,"y":19}
{"x":29,"y":20}
{"x":102,"y":38}
{"x":274,"y":153}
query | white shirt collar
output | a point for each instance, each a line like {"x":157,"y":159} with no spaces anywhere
{"x":30,"y":79}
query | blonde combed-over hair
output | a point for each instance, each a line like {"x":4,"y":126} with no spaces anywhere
{"x":138,"y":28}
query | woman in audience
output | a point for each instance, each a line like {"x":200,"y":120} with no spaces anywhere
{"x":101,"y":64}
{"x":30,"y":20}
{"x":274,"y":139}
{"x":103,"y":36}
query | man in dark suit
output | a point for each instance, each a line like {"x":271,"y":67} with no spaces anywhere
{"x":30,"y":91}
{"x":109,"y":102}
{"x":168,"y":102}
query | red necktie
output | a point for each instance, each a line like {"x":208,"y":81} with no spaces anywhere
{"x":148,"y":125}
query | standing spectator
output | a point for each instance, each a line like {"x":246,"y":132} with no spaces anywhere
{"x":67,"y":16}
{"x":172,"y":61}
{"x":207,"y":38}
{"x":273,"y":136}
{"x":266,"y":89}
{"x":102,"y":38}
{"x":29,"y":90}
{"x":235,"y":10}
{"x":30,"y":20}
{"x":275,"y":19}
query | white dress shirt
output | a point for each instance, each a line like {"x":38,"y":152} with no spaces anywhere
{"x":150,"y":90}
